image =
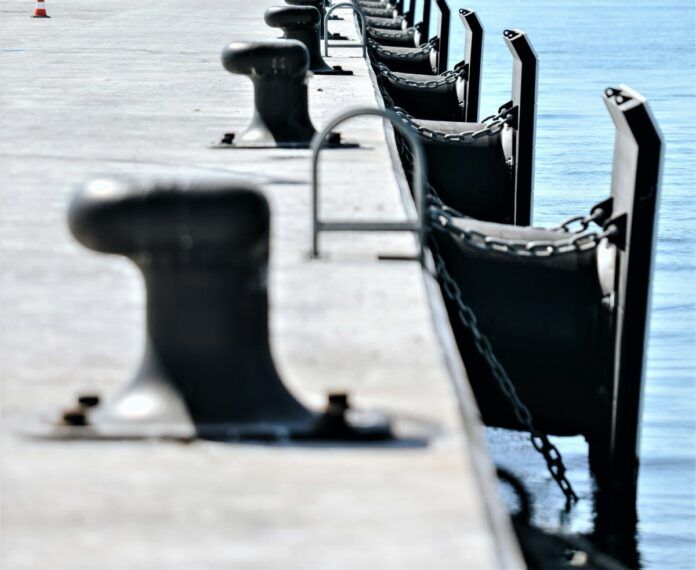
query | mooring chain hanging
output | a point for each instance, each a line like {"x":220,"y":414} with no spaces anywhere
{"x":493,"y":125}
{"x":388,"y":101}
{"x":425,"y":48}
{"x":433,"y":200}
{"x":442,"y":220}
{"x":446,"y":78}
{"x":552,"y":456}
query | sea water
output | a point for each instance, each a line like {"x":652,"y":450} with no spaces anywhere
{"x":584,"y":47}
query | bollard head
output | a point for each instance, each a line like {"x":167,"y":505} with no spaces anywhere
{"x":318,"y":4}
{"x":200,"y":222}
{"x":292,"y":17}
{"x":268,"y":58}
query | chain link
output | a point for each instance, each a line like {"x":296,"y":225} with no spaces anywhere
{"x":448,"y":77}
{"x":385,"y":34}
{"x":540,"y":441}
{"x":443,"y":220}
{"x":411,"y":54}
{"x":582,"y":222}
{"x":388,"y":101}
{"x":377,"y":12}
{"x":492,"y":125}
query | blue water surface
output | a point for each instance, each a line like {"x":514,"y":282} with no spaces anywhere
{"x":584,"y":47}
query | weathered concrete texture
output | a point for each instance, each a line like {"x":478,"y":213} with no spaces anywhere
{"x":136,"y":88}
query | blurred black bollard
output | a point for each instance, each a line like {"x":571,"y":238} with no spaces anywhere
{"x":301,"y":23}
{"x":203,"y":253}
{"x":278,"y":70}
{"x":321,"y":6}
{"x":207,"y":370}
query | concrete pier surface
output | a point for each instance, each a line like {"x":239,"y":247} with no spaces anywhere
{"x":136,"y":88}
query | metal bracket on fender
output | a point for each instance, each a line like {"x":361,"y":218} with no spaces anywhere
{"x":619,"y":237}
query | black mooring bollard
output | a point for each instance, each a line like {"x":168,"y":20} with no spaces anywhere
{"x":278,"y":70}
{"x":321,"y":6}
{"x":207,"y":370}
{"x":301,"y":23}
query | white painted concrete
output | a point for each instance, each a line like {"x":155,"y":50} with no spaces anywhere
{"x":136,"y":87}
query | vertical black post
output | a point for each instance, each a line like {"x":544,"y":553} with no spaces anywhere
{"x":411,"y":13}
{"x":635,"y":191}
{"x":425,"y":22}
{"x":473,"y":56}
{"x":524,"y":95}
{"x":443,"y":34}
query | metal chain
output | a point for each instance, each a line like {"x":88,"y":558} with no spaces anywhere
{"x":492,"y":125}
{"x":388,"y":101}
{"x":441,"y":217}
{"x":407,"y":156}
{"x":433,"y":200}
{"x":378,"y":33}
{"x":448,"y":77}
{"x":580,"y":240}
{"x":442,"y":220}
{"x":376,"y":12}
{"x":582,"y":222}
{"x":432,"y":197}
{"x":540,"y":441}
{"x":411,"y":54}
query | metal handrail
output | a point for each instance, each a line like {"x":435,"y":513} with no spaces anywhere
{"x":363,"y":28}
{"x":419,"y":173}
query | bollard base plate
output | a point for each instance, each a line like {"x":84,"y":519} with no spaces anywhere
{"x":228,"y":142}
{"x":356,"y":427}
{"x":335,"y":70}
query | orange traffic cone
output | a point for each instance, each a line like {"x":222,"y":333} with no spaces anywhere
{"x":40,"y":10}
